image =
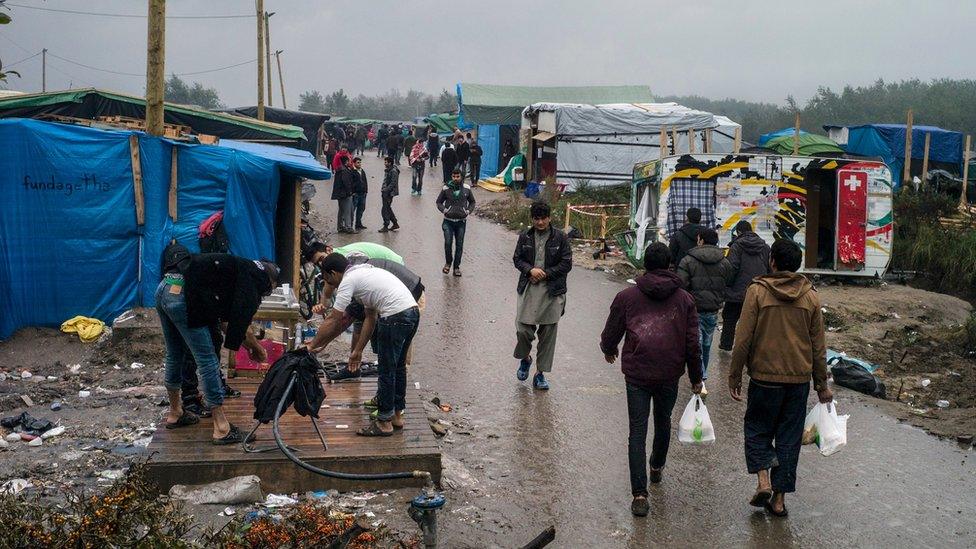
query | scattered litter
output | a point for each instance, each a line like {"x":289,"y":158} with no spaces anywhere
{"x":36,"y":442}
{"x":228,"y":512}
{"x":856,"y":374}
{"x":27,"y":437}
{"x":74,"y":368}
{"x":342,"y":426}
{"x":110,"y":474}
{"x":137,"y":365}
{"x":370,"y":514}
{"x":52,"y":378}
{"x":27,"y":400}
{"x":438,"y":429}
{"x":279,"y":500}
{"x":3,"y":376}
{"x":84,"y":394}
{"x":25,"y":375}
{"x":416,"y":384}
{"x":925,"y":382}
{"x":895,"y":316}
{"x":4,"y":443}
{"x":116,"y":367}
{"x":942,"y":403}
{"x":12,"y":437}
{"x":234,"y":491}
{"x":15,"y":486}
{"x":53,"y":432}
{"x":27,"y":422}
{"x":56,"y":405}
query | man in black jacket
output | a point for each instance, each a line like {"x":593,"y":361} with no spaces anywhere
{"x":749,"y":257}
{"x":687,"y":236}
{"x":706,"y":273}
{"x":360,"y":188}
{"x":207,"y":290}
{"x":389,"y":189}
{"x":433,"y":146}
{"x":343,"y":187}
{"x":476,"y":153}
{"x":448,"y":161}
{"x":543,"y":258}
{"x":455,"y":201}
{"x":463,"y":153}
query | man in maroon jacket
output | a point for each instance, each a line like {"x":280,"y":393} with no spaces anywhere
{"x":658,"y":322}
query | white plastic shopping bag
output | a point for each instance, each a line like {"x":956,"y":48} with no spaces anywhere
{"x":695,"y":426}
{"x":825,"y":428}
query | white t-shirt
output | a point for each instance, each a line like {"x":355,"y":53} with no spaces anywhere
{"x":376,"y":289}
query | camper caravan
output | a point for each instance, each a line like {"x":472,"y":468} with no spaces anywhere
{"x":839,"y":211}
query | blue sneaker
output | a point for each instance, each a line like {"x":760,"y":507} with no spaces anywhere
{"x":539,"y":382}
{"x":523,"y":370}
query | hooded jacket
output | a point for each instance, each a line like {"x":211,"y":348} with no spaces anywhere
{"x":706,"y":273}
{"x":780,"y":335}
{"x":685,"y":239}
{"x":659,"y":325}
{"x":455,"y":202}
{"x":344,"y":183}
{"x":749,"y":257}
{"x":449,"y":157}
{"x":223,"y":287}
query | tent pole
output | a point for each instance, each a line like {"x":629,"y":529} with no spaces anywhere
{"x":664,"y":141}
{"x":691,"y":141}
{"x":925,"y":156}
{"x":907,"y":174}
{"x":737,"y":144}
{"x":796,"y":134}
{"x":963,"y":199}
{"x":259,"y":4}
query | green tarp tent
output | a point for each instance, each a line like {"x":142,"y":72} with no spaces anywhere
{"x":443,"y":123}
{"x":490,"y":104}
{"x":810,"y":145}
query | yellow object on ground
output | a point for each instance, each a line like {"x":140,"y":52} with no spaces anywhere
{"x":493,"y":184}
{"x":88,"y":329}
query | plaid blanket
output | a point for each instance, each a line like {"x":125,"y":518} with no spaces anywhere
{"x":690,"y":193}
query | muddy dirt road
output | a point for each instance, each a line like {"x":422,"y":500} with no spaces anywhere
{"x":538,"y":459}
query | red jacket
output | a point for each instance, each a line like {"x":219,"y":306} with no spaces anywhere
{"x":337,"y":160}
{"x":659,"y":325}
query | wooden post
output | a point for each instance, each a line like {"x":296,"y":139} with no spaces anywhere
{"x":603,"y":235}
{"x":907,"y":174}
{"x":173,"y":184}
{"x":137,"y":179}
{"x":296,"y":258}
{"x":267,"y":54}
{"x":708,"y":140}
{"x":691,"y":141}
{"x":566,"y":224}
{"x":664,"y":141}
{"x":737,"y":142}
{"x":260,"y":10}
{"x":925,"y":156}
{"x":963,"y":199}
{"x":281,"y":80}
{"x":44,"y":70}
{"x":796,"y":134}
{"x":674,"y":141}
{"x":155,"y":67}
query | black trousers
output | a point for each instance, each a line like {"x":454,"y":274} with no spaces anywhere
{"x":730,"y":318}
{"x":387,"y":212}
{"x":639,"y":401}
{"x":773,"y":430}
{"x":475,"y":170}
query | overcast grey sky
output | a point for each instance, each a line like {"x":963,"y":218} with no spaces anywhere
{"x":747,"y":49}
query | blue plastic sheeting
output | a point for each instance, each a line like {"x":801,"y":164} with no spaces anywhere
{"x":69,"y":242}
{"x":488,"y":138}
{"x":766,"y":137}
{"x":888,"y":142}
{"x":835,"y":357}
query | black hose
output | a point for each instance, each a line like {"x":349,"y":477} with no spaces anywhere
{"x":334,"y":474}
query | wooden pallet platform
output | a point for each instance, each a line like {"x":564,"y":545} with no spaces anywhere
{"x":186,"y":455}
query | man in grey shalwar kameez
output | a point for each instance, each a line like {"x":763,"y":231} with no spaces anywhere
{"x":543,"y":256}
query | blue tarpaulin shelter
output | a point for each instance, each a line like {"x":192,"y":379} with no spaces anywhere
{"x":766,"y":137}
{"x":888,"y":142}
{"x":70,"y":242}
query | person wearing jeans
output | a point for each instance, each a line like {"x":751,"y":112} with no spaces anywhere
{"x":391,"y":312}
{"x":749,"y":257}
{"x":418,"y":158}
{"x":706,"y":273}
{"x":388,"y":190}
{"x":658,"y":322}
{"x":455,"y":201}
{"x":779,"y":340}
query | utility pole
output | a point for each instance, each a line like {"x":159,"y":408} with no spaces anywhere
{"x":260,"y":13}
{"x":267,"y":54}
{"x":281,"y":80}
{"x":155,"y":67}
{"x":44,"y":70}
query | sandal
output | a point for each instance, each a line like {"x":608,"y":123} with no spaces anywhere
{"x":185,"y":420}
{"x":446,"y":269}
{"x":234,"y":436}
{"x":457,"y":272}
{"x":373,"y":431}
{"x":371,"y":403}
{"x":769,"y":507}
{"x":761,"y":498}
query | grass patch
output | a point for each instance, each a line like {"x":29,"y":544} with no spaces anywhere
{"x":514,"y":211}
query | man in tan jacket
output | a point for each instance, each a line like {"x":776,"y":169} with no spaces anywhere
{"x":780,"y":342}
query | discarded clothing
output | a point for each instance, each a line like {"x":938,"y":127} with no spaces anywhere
{"x":339,"y":371}
{"x":27,"y":422}
{"x":308,"y":394}
{"x":88,"y":329}
{"x":851,"y":374}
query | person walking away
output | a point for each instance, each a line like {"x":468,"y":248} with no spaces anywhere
{"x":392,"y":312}
{"x":401,"y":143}
{"x":508,"y":152}
{"x":463,"y":150}
{"x":687,"y":236}
{"x":448,"y":161}
{"x":543,"y":258}
{"x":360,"y":140}
{"x":455,"y":201}
{"x":433,"y":146}
{"x":706,"y":273}
{"x":342,"y":192}
{"x":392,"y":142}
{"x":658,"y":322}
{"x":381,"y":139}
{"x":749,"y":257}
{"x":408,"y":142}
{"x":360,"y":190}
{"x":389,"y":189}
{"x":418,"y":161}
{"x":208,"y":290}
{"x":475,"y":153}
{"x":779,"y":341}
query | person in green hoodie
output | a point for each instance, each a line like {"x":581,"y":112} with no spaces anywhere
{"x":779,"y":340}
